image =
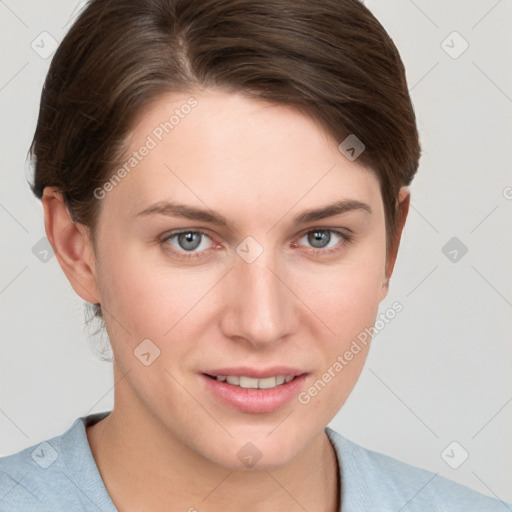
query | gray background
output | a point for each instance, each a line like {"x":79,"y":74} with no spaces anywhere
{"x":438,"y":373}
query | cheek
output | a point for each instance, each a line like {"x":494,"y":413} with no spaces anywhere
{"x":149,"y":298}
{"x":347,"y":296}
{"x":131,"y":292}
{"x":350,"y":310}
{"x":348,"y":305}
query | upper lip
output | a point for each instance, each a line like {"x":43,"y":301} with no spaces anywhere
{"x":257,"y":373}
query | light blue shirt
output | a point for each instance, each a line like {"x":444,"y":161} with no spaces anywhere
{"x":60,"y":475}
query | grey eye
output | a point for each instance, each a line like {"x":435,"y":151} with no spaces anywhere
{"x":319,"y":238}
{"x":189,"y":240}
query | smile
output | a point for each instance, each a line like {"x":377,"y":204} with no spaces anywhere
{"x":252,"y":383}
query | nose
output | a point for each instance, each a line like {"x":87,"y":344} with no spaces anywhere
{"x":260,"y":307}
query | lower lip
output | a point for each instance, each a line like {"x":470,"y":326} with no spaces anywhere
{"x":255,"y":400}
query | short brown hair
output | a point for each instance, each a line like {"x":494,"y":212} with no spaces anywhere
{"x":332,"y":60}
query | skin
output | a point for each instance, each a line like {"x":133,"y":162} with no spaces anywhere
{"x":169,"y":444}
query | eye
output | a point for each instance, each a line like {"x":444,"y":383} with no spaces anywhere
{"x":191,"y":243}
{"x":321,"y":238}
{"x":186,"y":241}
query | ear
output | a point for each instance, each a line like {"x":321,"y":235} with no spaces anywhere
{"x":404,"y":197}
{"x":71,"y":245}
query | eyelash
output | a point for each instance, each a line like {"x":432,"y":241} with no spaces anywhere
{"x":346,"y":240}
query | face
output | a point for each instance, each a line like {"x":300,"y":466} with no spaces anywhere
{"x":252,"y":286}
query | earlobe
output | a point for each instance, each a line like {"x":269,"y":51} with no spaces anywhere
{"x":71,"y":245}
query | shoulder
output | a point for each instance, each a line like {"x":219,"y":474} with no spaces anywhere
{"x":29,"y":478}
{"x":376,"y":481}
{"x":52,"y":475}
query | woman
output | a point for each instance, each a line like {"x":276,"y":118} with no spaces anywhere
{"x":227,"y":183}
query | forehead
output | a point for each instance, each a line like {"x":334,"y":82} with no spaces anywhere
{"x":213,"y":147}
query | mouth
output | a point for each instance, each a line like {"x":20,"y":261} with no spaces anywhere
{"x":242,"y":381}
{"x":258,"y":392}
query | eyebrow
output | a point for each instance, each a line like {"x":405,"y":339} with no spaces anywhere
{"x":174,"y":209}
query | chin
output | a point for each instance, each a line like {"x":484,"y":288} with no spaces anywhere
{"x":253,"y":449}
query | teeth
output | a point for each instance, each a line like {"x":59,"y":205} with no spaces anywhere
{"x":251,"y":383}
{"x":233,"y":380}
{"x":268,"y":383}
{"x":248,"y":382}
